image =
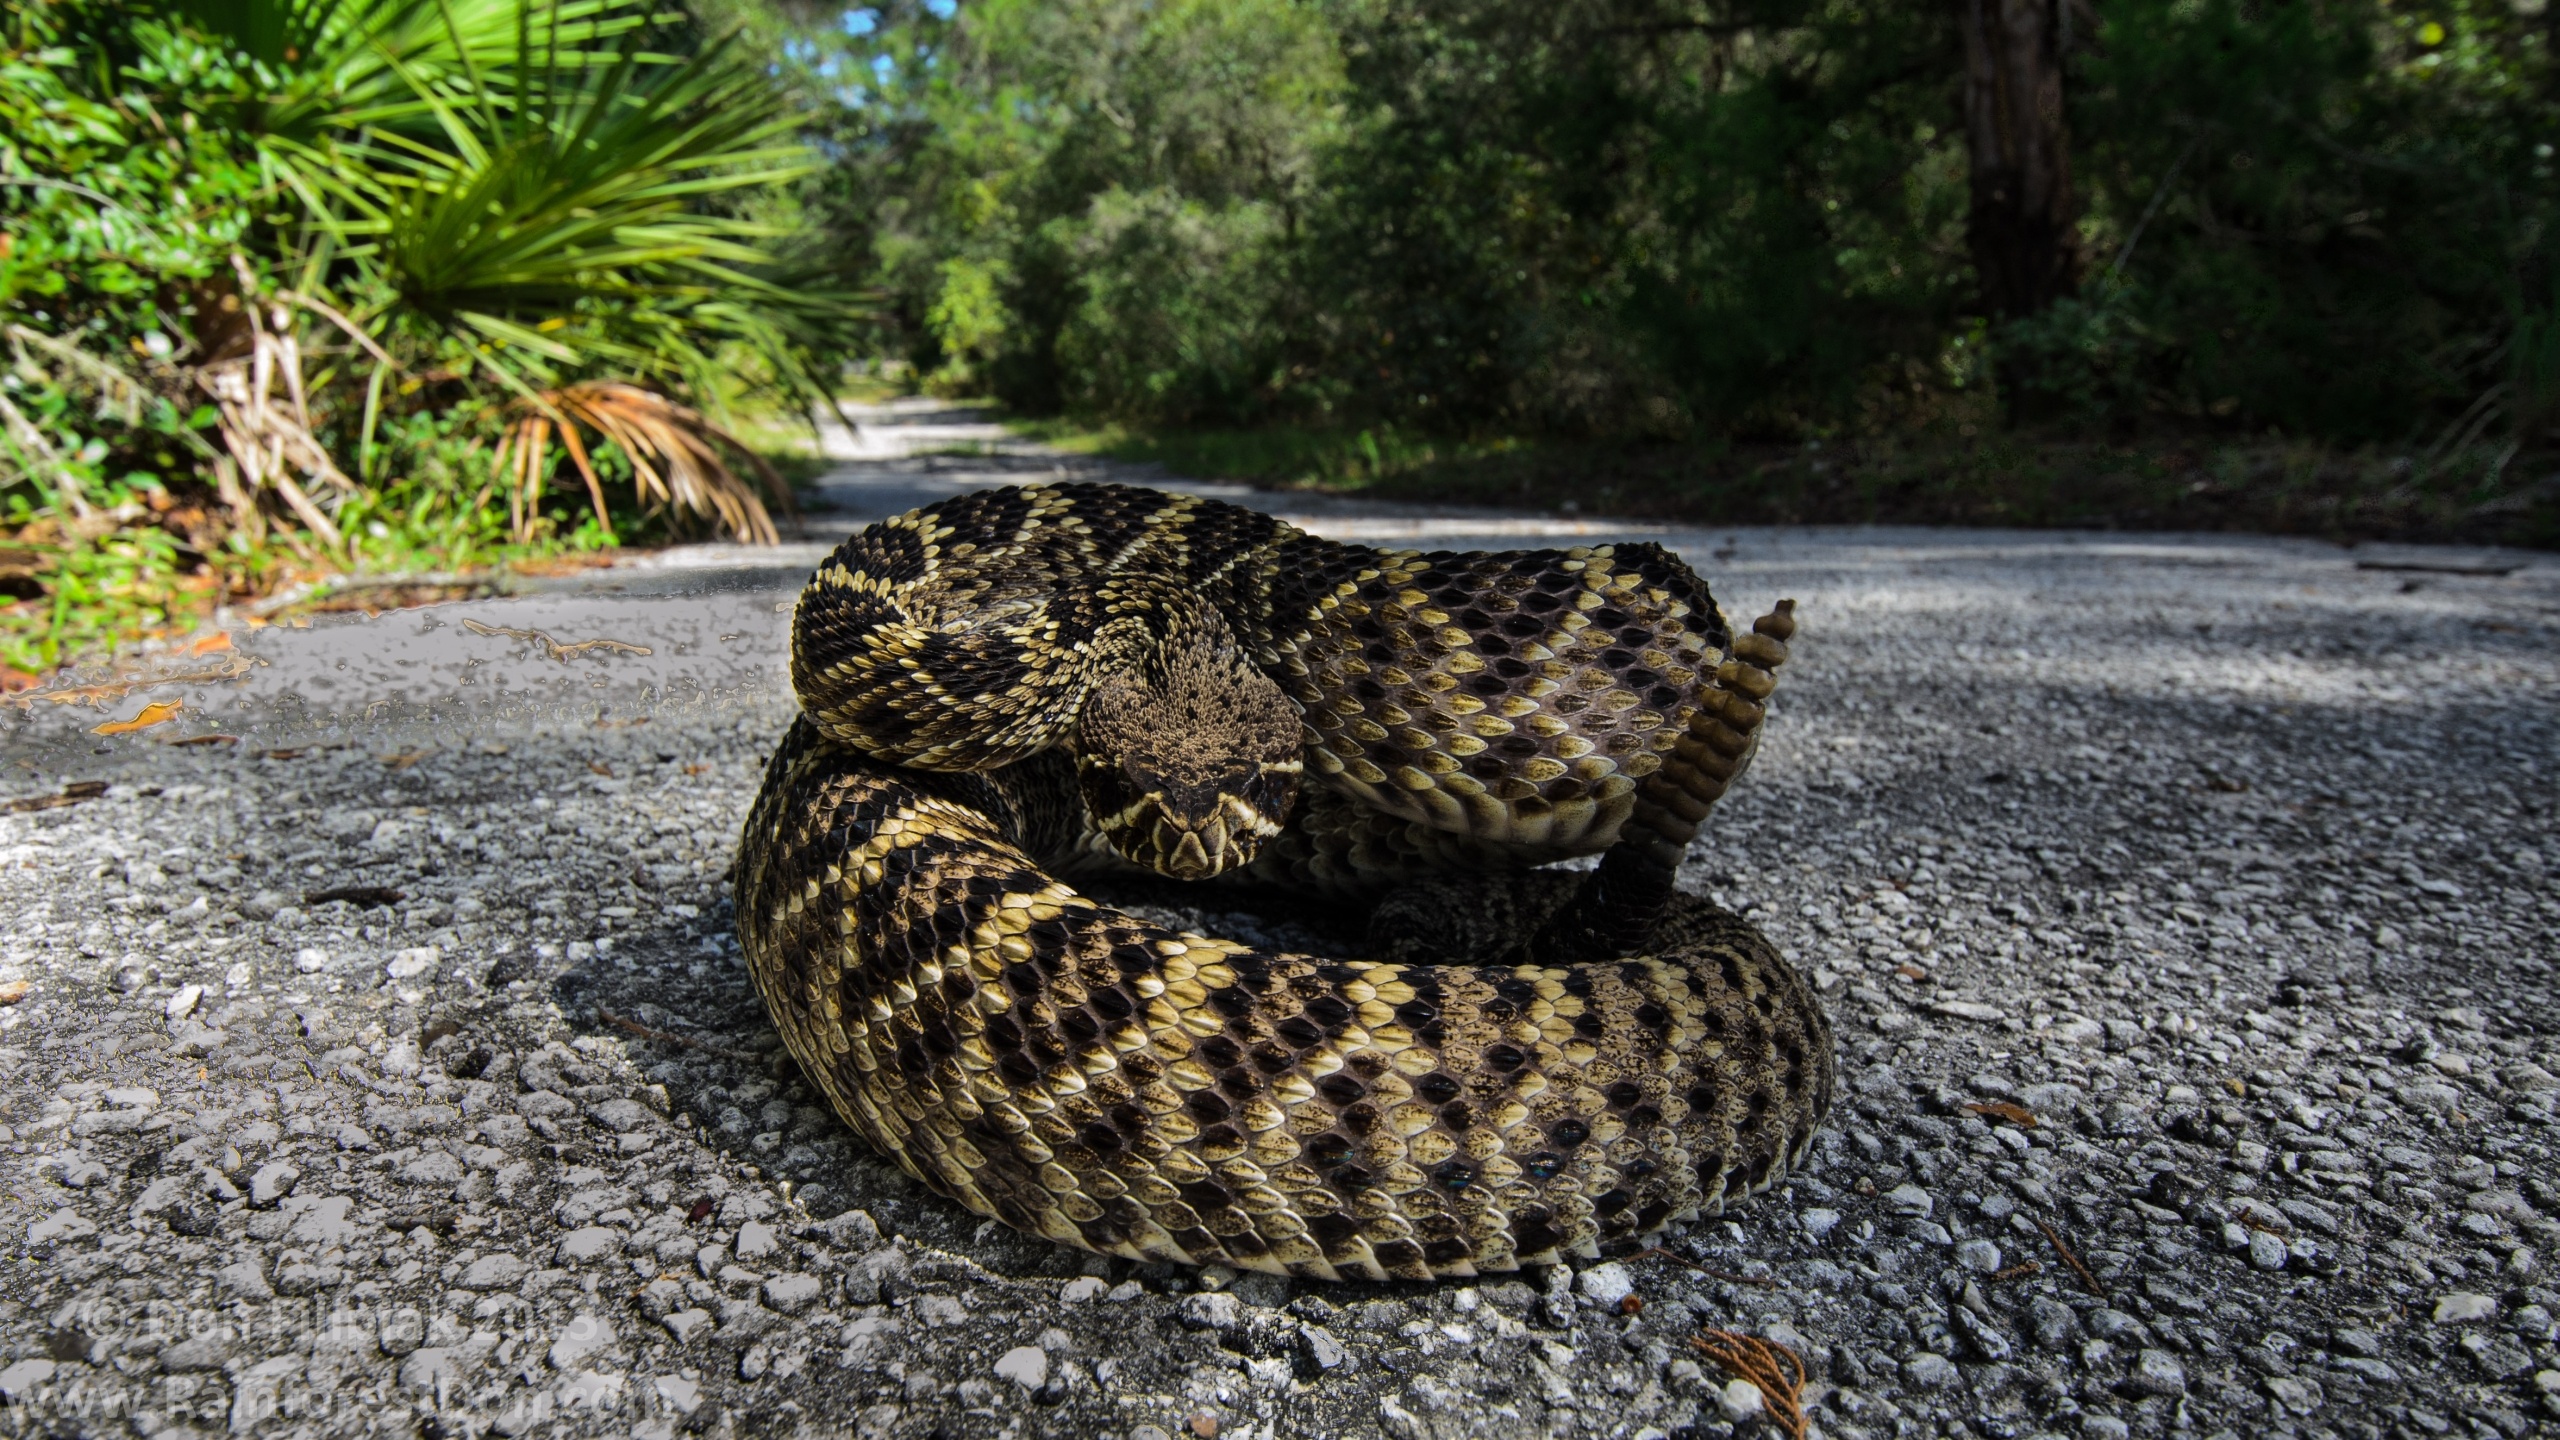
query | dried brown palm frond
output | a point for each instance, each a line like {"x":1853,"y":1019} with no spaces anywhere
{"x":675,"y":455}
{"x":266,"y":421}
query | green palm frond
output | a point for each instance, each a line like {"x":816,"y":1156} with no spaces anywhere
{"x":590,"y":227}
{"x":325,"y":66}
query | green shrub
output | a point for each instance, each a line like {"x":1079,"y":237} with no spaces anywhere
{"x":312,"y":285}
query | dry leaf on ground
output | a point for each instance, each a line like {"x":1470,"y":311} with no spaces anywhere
{"x":2018,"y":1115}
{"x":158,"y":712}
{"x":71,"y":794}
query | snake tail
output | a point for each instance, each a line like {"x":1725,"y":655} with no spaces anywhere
{"x":1623,"y":900}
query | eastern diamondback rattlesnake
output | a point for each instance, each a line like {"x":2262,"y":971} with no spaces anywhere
{"x":1048,"y":681}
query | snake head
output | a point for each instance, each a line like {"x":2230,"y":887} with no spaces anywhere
{"x":1188,"y":760}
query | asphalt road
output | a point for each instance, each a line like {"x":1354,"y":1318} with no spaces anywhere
{"x":2184,"y":905}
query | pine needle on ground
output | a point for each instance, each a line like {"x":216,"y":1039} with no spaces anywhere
{"x":1776,"y":1370}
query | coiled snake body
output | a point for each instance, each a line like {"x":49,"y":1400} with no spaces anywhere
{"x":1034,"y":683}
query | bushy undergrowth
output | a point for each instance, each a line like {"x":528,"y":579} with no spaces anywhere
{"x":297,"y":287}
{"x":1658,"y":221}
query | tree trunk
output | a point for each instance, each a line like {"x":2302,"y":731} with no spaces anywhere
{"x":2021,"y":226}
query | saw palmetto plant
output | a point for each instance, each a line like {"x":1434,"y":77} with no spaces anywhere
{"x":328,"y":277}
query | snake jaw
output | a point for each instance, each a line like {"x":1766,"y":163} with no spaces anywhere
{"x":1187,"y":756}
{"x":1188,"y":831}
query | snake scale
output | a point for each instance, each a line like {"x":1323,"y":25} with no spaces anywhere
{"x":1021,"y":686}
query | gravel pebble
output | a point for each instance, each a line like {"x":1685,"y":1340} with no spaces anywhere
{"x":1024,"y":1365}
{"x":2463,"y":1307}
{"x":1605,"y":1285}
{"x":2157,"y":1372}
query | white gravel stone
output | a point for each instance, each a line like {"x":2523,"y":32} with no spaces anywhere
{"x":1606,"y":1284}
{"x":1024,"y":1365}
{"x":247,"y":1278}
{"x":492,"y":1272}
{"x":1321,"y":1348}
{"x":583,"y":1337}
{"x":792,"y":1294}
{"x":21,"y":1379}
{"x":63,"y":1224}
{"x":197,"y":1353}
{"x":680,"y":1394}
{"x":592,"y":1242}
{"x":274,"y":1181}
{"x":619,"y":1115}
{"x":2157,"y":1372}
{"x":1215,"y":1311}
{"x":2463,"y":1307}
{"x":426,"y":1368}
{"x":2266,"y":1250}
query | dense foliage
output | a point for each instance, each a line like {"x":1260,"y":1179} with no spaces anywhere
{"x":1698,"y":218}
{"x":297,"y":287}
{"x":313,"y":285}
